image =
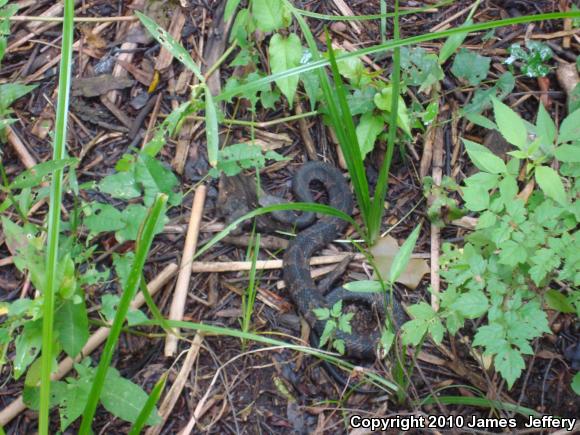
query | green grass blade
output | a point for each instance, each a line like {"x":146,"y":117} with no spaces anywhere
{"x":258,"y":84}
{"x":149,"y":406}
{"x":142,"y":249}
{"x":348,"y":139}
{"x":302,"y":206}
{"x":59,"y":153}
{"x":377,"y":207}
{"x":377,"y":380}
{"x":380,"y":16}
{"x":170,"y":44}
{"x":249,"y":296}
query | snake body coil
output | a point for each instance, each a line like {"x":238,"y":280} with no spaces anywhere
{"x":302,"y":288}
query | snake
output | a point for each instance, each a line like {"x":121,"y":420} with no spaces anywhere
{"x":314,"y":235}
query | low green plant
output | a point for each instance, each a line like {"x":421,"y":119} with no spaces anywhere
{"x":523,"y":256}
{"x":532,"y":59}
{"x":336,"y":321}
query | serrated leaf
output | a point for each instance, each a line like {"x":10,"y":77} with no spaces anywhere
{"x":510,"y":364}
{"x":476,"y":198}
{"x":367,"y":131}
{"x":512,"y":253}
{"x":422,"y":311}
{"x":339,"y":346}
{"x":483,"y":158}
{"x":437,"y":331}
{"x":72,"y":324}
{"x":336,"y":309}
{"x":570,"y":128}
{"x":156,"y":178}
{"x":413,"y":331}
{"x":321,"y":313}
{"x":551,"y":184}
{"x":472,"y":304}
{"x":28,"y":345}
{"x":329,"y":328}
{"x":285,"y":53}
{"x":103,"y":218}
{"x":510,"y":124}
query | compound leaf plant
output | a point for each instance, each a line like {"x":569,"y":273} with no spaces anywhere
{"x":524,"y":255}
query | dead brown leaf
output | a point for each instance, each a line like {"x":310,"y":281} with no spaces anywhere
{"x":99,"y":85}
{"x":385,"y":251}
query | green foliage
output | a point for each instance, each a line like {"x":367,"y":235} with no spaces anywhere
{"x":420,"y":68}
{"x":6,"y":11}
{"x":235,"y":158}
{"x":509,"y":264}
{"x":285,"y":53}
{"x":471,"y":66}
{"x":533,"y":59}
{"x":121,"y":397}
{"x":336,"y":321}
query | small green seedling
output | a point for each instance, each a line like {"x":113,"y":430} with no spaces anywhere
{"x":336,"y":321}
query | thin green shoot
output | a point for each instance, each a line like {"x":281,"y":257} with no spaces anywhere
{"x":249,"y":296}
{"x":54,"y":223}
{"x":142,"y":249}
{"x":149,"y":406}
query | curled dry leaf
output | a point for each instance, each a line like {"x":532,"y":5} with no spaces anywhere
{"x":385,"y":251}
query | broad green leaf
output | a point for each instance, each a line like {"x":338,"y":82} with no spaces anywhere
{"x":470,"y":66}
{"x":285,"y":53}
{"x":121,"y":185}
{"x":422,"y":310}
{"x":413,"y":331}
{"x":321,"y":313}
{"x":28,"y":345}
{"x":268,"y":14}
{"x":387,"y":340}
{"x":510,"y":124}
{"x":353,"y":69}
{"x":383,"y":101}
{"x":10,"y":92}
{"x":557,"y":301}
{"x":329,"y":328}
{"x":156,"y":178}
{"x":570,"y":128}
{"x":367,"y":131}
{"x":339,"y":345}
{"x":472,"y":304}
{"x":124,"y":399}
{"x":131,"y":219}
{"x":476,"y":198}
{"x":480,"y":120}
{"x":72,"y":324}
{"x":437,"y":331}
{"x":551,"y":184}
{"x":546,"y":127}
{"x":420,"y":68}
{"x":453,"y":43}
{"x":211,"y":128}
{"x":568,"y":153}
{"x":170,"y":44}
{"x":483,"y":158}
{"x":512,"y":253}
{"x":402,"y":258}
{"x":103,"y":218}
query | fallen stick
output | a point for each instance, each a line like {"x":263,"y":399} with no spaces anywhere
{"x":94,"y":341}
{"x":237,"y":266}
{"x":175,"y":391}
{"x":184,"y":276}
